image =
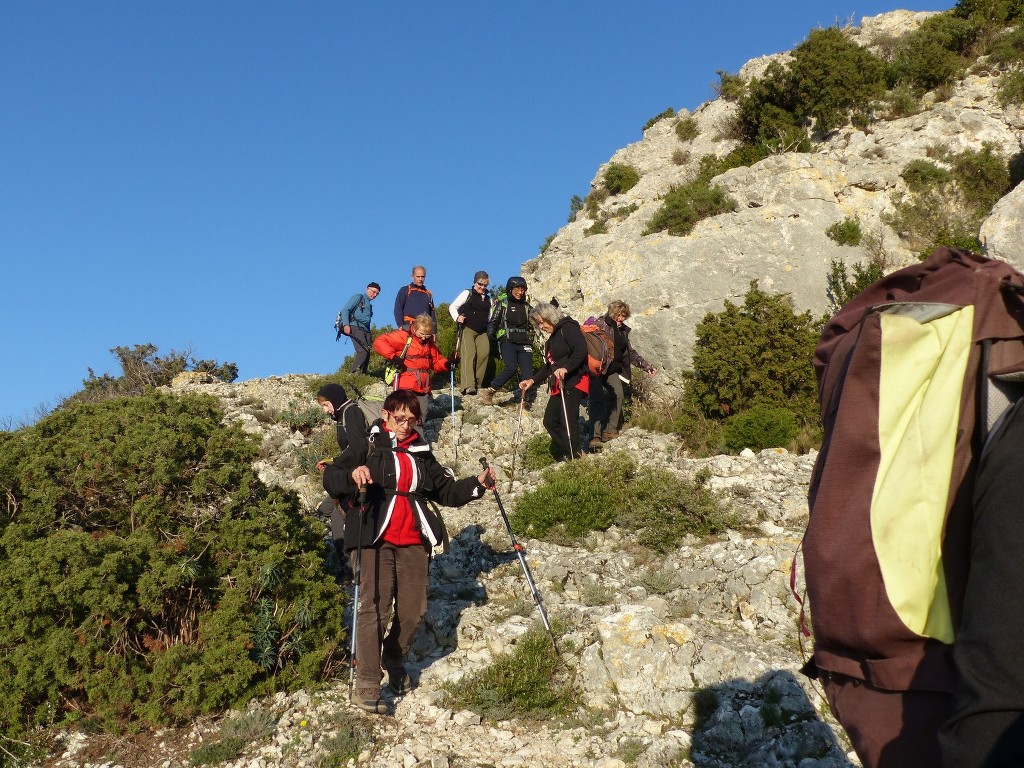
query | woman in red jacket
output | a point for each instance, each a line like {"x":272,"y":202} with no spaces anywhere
{"x":418,"y":357}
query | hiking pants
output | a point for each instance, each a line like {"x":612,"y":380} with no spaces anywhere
{"x":987,"y":723}
{"x":888,"y":729}
{"x":476,"y":351}
{"x":361,"y":342}
{"x":554,"y":422}
{"x":393,"y":580}
{"x":606,"y":401}
{"x":514,"y":356}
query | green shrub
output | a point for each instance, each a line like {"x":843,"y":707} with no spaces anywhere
{"x":934,"y":54}
{"x":143,"y":369}
{"x":687,"y":129}
{"x":841,"y":287}
{"x":575,"y":206}
{"x":302,"y":417}
{"x":990,"y":12}
{"x":760,"y":351}
{"x":599,"y":227}
{"x":762,"y":426}
{"x":831,"y":75}
{"x":1011,"y":88}
{"x":741,"y":157}
{"x":1007,"y":48}
{"x":658,"y":507}
{"x":982,"y":177}
{"x":701,"y":435}
{"x":921,"y":175}
{"x":528,"y":683}
{"x":592,"y":202}
{"x":148,"y":574}
{"x":660,"y":116}
{"x":845,"y":232}
{"x":620,"y":177}
{"x":542,"y":249}
{"x":729,"y":86}
{"x":685,"y":205}
{"x":902,"y":102}
{"x":238,"y":732}
{"x":680,"y":157}
{"x":537,"y":452}
{"x":350,"y":736}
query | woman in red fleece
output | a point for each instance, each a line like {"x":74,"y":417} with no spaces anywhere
{"x":419,"y":356}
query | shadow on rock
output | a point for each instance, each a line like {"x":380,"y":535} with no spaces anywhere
{"x":769,"y":723}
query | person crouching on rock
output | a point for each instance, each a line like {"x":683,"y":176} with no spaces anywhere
{"x":565,"y":360}
{"x":394,"y":530}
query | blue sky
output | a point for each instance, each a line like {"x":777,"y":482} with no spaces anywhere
{"x":223,"y":176}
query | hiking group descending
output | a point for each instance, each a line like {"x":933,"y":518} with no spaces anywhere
{"x":385,"y":479}
{"x":594,"y":359}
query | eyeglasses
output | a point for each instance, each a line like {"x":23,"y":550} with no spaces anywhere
{"x":405,"y":420}
{"x":482,"y":285}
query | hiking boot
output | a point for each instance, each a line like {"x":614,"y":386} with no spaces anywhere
{"x":471,"y":391}
{"x":369,"y":700}
{"x":609,"y":435}
{"x":596,"y":443}
{"x":399,"y":683}
{"x":487,"y":396}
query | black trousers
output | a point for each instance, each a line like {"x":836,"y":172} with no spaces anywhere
{"x":987,"y":725}
{"x":555,"y":422}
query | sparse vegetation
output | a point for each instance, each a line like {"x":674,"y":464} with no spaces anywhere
{"x":526,"y":683}
{"x":583,"y":496}
{"x":688,"y":204}
{"x":687,"y":129}
{"x":670,"y":112}
{"x":620,"y":177}
{"x":845,"y":232}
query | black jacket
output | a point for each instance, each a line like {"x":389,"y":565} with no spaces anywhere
{"x":568,"y":348}
{"x":433,"y":482}
{"x":625,"y":355}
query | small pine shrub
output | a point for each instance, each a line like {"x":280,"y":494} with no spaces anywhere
{"x":1007,"y":48}
{"x":680,"y":157}
{"x":620,"y":177}
{"x":902,"y":102}
{"x":762,"y":426}
{"x":687,"y":129}
{"x":841,"y":286}
{"x":543,"y":247}
{"x":527,"y":683}
{"x":575,"y":206}
{"x":592,"y":202}
{"x":934,"y":54}
{"x":845,"y":232}
{"x":597,"y":228}
{"x":982,"y":177}
{"x":1011,"y":88}
{"x":688,"y":204}
{"x":922,"y":175}
{"x":759,"y":351}
{"x":729,"y":87}
{"x":659,"y":117}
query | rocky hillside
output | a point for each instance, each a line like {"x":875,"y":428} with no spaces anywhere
{"x":777,"y":234}
{"x":689,"y":659}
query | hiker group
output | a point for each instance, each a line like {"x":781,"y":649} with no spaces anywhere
{"x":385,"y":481}
{"x":592,"y":360}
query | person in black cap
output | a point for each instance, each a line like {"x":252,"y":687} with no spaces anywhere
{"x":354,"y":321}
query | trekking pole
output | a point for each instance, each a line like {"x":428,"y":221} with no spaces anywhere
{"x":565,"y":413}
{"x":521,"y":554}
{"x":515,"y":445}
{"x":455,"y":356}
{"x":355,"y":597}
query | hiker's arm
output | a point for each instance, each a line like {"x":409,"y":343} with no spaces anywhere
{"x":451,"y":492}
{"x":400,"y":306}
{"x":454,"y":309}
{"x":495,"y":320}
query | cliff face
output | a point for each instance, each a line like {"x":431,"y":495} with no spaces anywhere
{"x":777,"y":234}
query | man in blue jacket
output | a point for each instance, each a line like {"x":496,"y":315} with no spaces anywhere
{"x":355,"y":319}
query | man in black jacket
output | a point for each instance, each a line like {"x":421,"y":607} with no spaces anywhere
{"x":394,"y":530}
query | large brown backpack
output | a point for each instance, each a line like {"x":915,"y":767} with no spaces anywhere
{"x":912,"y":375}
